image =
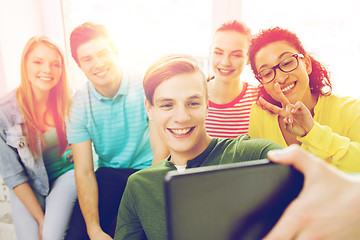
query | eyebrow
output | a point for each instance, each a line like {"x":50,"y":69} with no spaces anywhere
{"x":37,"y":58}
{"x":267,"y":66}
{"x":160,"y":100}
{"x":197,"y":96}
{"x":238,"y":50}
{"x":84,"y":57}
{"x":98,"y":52}
{"x":43,"y":59}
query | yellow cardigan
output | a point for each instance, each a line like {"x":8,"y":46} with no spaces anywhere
{"x":335,"y":136}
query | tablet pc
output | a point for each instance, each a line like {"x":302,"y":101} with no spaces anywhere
{"x":232,"y":201}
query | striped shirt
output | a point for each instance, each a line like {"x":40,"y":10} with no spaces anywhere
{"x":118,"y":127}
{"x":231,"y":119}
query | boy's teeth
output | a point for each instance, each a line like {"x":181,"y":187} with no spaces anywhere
{"x":100,"y":74}
{"x":181,"y":131}
{"x":288,"y":87}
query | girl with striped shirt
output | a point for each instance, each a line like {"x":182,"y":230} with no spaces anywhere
{"x":230,"y":99}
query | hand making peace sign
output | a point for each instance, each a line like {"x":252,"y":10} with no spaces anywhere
{"x":297,"y":117}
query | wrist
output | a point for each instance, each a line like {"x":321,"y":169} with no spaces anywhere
{"x":308,"y":128}
{"x":94,"y":230}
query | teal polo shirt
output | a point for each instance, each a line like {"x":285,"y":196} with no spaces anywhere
{"x":118,"y":126}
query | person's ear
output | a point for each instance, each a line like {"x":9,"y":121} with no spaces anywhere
{"x":308,"y":64}
{"x":148,"y":109}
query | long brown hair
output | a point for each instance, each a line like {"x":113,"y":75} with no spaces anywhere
{"x":58,"y":102}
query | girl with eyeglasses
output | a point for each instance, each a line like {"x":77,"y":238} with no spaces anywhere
{"x":297,"y":106}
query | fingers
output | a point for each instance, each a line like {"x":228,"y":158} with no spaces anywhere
{"x":287,"y":114}
{"x":298,"y":105}
{"x":282,"y":99}
{"x":259,"y":104}
{"x":296,"y":156}
{"x":272,"y":108}
{"x":70,"y":157}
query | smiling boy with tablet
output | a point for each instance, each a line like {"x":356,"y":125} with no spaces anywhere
{"x":177,"y":103}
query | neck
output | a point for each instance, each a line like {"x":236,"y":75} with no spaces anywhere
{"x":311,"y":102}
{"x":221,"y":92}
{"x":181,"y":158}
{"x":40,"y":97}
{"x":111,"y":90}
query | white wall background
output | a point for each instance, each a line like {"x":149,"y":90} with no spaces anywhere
{"x":19,"y":21}
{"x":143,"y":28}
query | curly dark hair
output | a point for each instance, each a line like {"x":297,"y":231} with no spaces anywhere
{"x":319,"y":77}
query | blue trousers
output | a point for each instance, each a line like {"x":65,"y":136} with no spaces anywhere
{"x":111,"y":186}
{"x":57,"y":206}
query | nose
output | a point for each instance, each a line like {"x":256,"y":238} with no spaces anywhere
{"x":46,"y":68}
{"x":225,"y":61}
{"x":98,"y":62}
{"x":280,"y":76}
{"x":181,"y":114}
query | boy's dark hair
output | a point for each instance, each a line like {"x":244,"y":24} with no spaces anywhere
{"x":86,"y":32}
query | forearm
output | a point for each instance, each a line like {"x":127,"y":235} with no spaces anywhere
{"x":340,"y":151}
{"x":86,"y":185}
{"x":88,"y":200}
{"x":26,"y":195}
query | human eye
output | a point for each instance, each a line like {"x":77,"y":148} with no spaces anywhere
{"x":288,"y":63}
{"x":266,"y":74}
{"x":104,"y":53}
{"x":56,"y":65}
{"x":238,"y":55}
{"x":37,"y":62}
{"x":194,"y":104}
{"x":86,"y":59}
{"x":166,"y":106}
{"x":217,"y":52}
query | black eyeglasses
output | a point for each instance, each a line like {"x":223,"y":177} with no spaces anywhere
{"x":287,"y":65}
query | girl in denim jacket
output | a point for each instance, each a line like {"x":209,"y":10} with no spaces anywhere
{"x":34,"y":158}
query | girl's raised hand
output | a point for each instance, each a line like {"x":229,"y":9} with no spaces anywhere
{"x":297,"y":117}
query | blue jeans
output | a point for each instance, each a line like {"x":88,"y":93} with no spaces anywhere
{"x":57,"y":206}
{"x":111,"y":185}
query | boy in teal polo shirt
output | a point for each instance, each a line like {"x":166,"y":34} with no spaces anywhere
{"x":109,"y":113}
{"x":177,"y":104}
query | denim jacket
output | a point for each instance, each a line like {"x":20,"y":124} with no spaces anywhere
{"x":17,"y":163}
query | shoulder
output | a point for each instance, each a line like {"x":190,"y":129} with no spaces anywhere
{"x":346,"y":105}
{"x":250,"y":87}
{"x":8,"y":99}
{"x":248,"y":144}
{"x":81,"y":94}
{"x":80,"y":99}
{"x":9,"y":106}
{"x":257,"y":113}
{"x":150,"y":174}
{"x":243,"y":148}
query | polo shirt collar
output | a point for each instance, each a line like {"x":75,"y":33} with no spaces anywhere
{"x":197,"y":161}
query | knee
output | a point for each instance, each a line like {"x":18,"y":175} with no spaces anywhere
{"x":51,"y":232}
